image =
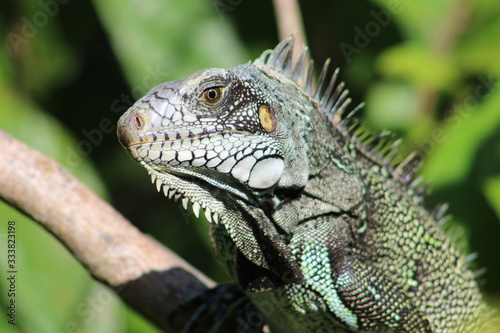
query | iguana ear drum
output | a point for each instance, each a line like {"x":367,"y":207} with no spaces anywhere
{"x":266,"y":118}
{"x":258,"y":174}
{"x":266,"y":173}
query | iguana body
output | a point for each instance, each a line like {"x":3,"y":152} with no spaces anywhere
{"x":319,"y":229}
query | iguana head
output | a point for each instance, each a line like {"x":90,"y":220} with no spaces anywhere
{"x":238,"y":130}
{"x":230,"y":140}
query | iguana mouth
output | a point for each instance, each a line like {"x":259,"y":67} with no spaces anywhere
{"x":205,"y":150}
{"x":133,"y":129}
{"x":172,"y":136}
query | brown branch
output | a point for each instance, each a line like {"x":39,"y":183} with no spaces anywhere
{"x":289,"y":21}
{"x":146,"y":275}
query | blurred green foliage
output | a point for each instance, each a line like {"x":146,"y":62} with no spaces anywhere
{"x":428,"y":70}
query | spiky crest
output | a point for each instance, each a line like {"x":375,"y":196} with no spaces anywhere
{"x":333,"y":98}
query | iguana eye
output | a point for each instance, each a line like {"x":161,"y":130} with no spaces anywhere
{"x":213,"y":95}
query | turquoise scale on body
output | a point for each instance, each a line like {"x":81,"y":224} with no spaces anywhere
{"x":316,"y":268}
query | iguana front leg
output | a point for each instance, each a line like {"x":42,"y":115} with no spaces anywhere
{"x":336,"y":286}
{"x":356,"y":295}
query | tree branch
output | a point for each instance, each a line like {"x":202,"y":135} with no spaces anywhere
{"x":289,"y":21}
{"x":146,"y":275}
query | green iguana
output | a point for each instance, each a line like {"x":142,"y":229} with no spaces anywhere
{"x":315,"y":222}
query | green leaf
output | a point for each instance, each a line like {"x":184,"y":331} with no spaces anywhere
{"x":419,"y":65}
{"x":43,"y":60}
{"x":491,"y":190}
{"x":478,"y":53}
{"x":453,"y":145}
{"x":419,"y":20}
{"x":391,"y":106}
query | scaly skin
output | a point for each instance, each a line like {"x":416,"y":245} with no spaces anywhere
{"x":321,"y":231}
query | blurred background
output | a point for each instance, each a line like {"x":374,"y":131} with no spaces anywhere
{"x":428,"y":71}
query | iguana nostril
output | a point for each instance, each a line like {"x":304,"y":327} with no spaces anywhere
{"x":130,"y":126}
{"x":139,"y":122}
